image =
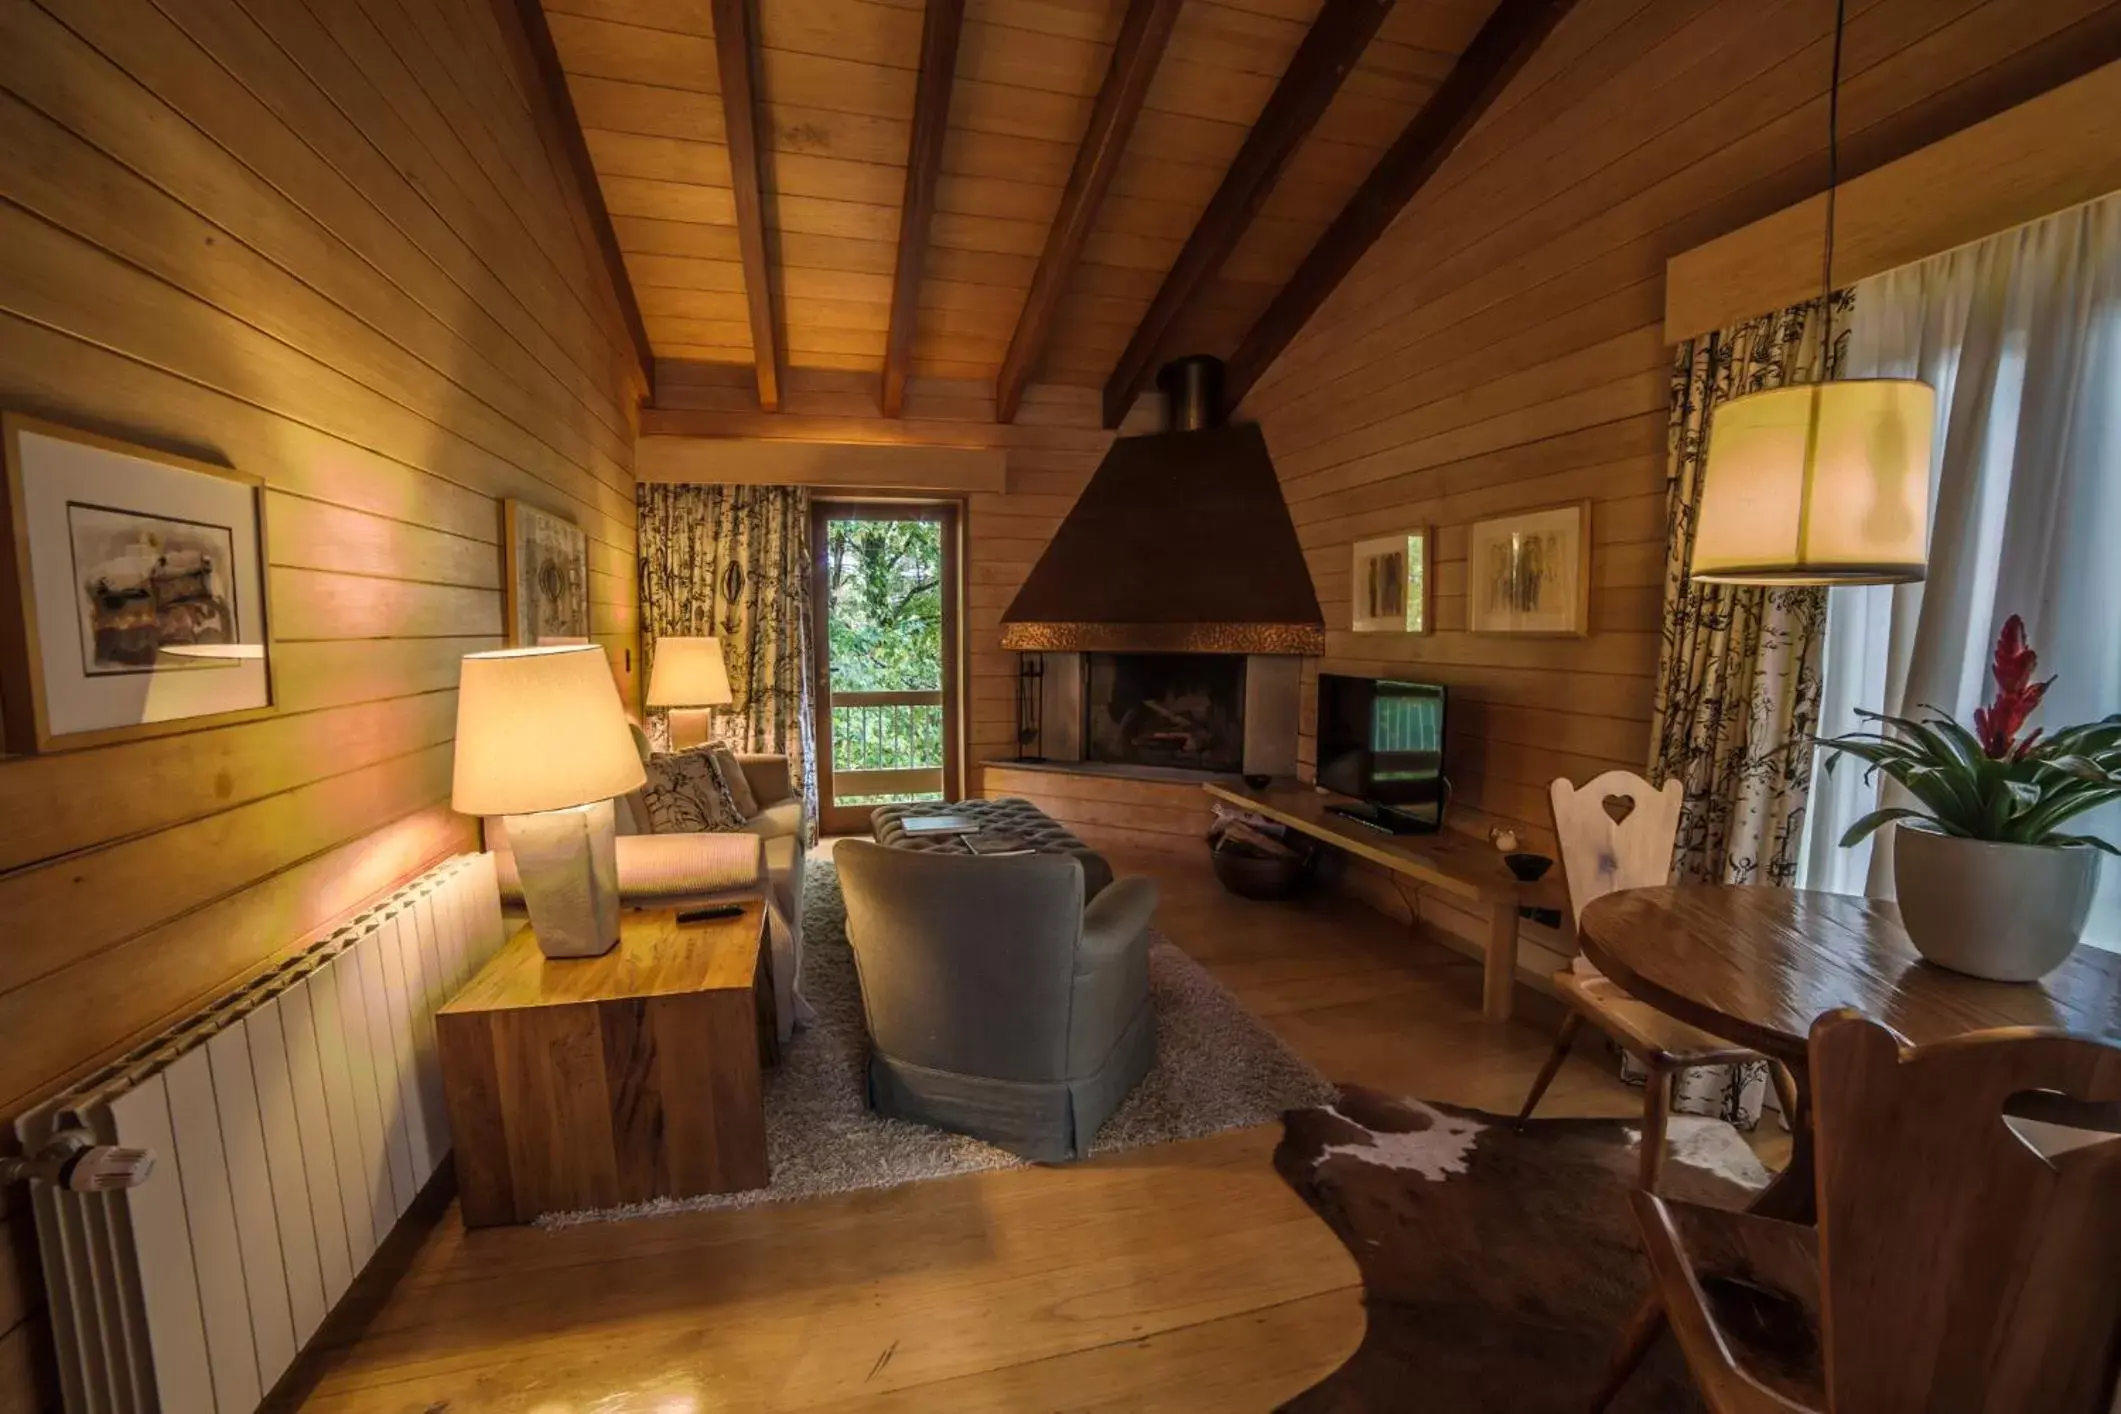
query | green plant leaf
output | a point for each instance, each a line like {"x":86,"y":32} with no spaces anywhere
{"x":1963,"y":743}
{"x":2085,"y":768}
{"x":1965,"y":792}
{"x":1864,"y":828}
{"x":1954,"y":806}
{"x":2039,"y":824}
{"x":2085,"y":841}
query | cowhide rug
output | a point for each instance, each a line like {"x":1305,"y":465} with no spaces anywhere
{"x":1498,"y":1264}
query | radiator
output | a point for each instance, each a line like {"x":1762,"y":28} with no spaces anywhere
{"x":292,"y":1122}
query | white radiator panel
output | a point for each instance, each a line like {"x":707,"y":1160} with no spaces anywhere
{"x":335,"y":1068}
{"x":292,"y":1124}
{"x":284,"y":1170}
{"x":210,"y":1210}
{"x":320,"y":1164}
{"x":162,"y":1251}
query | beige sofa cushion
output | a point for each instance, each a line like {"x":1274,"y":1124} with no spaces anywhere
{"x":661,"y":869}
{"x":735,"y":781}
{"x":783,"y":819}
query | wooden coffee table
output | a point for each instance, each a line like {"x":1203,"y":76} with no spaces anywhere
{"x":588,"y":1082}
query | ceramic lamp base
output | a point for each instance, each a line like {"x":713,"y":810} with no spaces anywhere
{"x":569,"y":863}
{"x":690,"y":726}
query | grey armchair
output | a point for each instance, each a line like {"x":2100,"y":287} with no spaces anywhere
{"x":998,"y":1005}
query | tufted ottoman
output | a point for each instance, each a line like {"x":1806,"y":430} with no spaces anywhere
{"x":1010,"y":815}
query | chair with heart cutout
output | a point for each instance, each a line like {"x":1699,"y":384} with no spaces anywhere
{"x":1617,"y":832}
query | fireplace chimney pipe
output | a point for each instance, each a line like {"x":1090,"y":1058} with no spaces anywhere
{"x":1193,"y":389}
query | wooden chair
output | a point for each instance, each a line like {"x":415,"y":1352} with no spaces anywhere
{"x":1956,"y":1266}
{"x":1616,"y":833}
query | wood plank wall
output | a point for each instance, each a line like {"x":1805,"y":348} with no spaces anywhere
{"x":323,"y":243}
{"x":1501,"y":347}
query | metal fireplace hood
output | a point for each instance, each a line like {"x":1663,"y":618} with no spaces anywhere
{"x":1181,"y":543}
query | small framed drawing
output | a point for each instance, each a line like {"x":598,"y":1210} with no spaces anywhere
{"x":135,"y":591}
{"x":1391,"y":585}
{"x":546,"y":575}
{"x":1530,"y":572}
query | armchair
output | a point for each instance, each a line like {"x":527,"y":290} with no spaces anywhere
{"x":997,"y":1004}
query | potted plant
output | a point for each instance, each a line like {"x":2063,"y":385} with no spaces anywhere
{"x":1989,"y":881}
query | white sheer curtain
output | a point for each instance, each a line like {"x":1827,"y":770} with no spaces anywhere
{"x":2021,"y":335}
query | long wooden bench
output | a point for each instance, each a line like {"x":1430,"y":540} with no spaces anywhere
{"x":1455,"y":863}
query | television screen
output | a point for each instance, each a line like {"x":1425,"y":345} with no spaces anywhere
{"x":1381,"y":740}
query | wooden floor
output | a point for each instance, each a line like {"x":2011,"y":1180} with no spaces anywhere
{"x":1185,"y":1277}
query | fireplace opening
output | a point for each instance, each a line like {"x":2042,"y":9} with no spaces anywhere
{"x":1165,"y":709}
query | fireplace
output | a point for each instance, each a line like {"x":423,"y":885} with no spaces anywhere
{"x":1185,"y":710}
{"x":1153,"y":714}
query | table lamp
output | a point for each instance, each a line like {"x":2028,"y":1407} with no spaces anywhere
{"x":688,"y":673}
{"x":542,"y":739}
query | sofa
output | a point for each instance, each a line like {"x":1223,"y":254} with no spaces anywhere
{"x":998,"y":1004}
{"x":762,"y":860}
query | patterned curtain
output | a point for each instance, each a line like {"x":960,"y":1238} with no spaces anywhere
{"x":733,"y":563}
{"x":1737,"y":694}
{"x":1738,"y":675}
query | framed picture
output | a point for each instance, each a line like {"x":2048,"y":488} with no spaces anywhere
{"x":1530,"y":572}
{"x":135,"y":587}
{"x":546,"y":577}
{"x":1391,"y":586}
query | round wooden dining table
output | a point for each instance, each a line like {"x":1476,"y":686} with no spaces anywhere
{"x":1758,"y":965}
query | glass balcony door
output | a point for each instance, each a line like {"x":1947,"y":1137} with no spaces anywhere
{"x":887,"y":597}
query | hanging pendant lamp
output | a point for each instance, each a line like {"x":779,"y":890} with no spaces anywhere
{"x":1819,"y":483}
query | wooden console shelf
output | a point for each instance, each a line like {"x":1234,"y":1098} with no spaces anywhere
{"x":1457,"y":864}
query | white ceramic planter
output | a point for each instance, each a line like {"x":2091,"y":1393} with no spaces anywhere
{"x":2007,"y":912}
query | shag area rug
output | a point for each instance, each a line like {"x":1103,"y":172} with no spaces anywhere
{"x":1499,"y":1262}
{"x":1216,"y":1068}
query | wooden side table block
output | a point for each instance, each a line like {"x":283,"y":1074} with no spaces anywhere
{"x":588,"y":1082}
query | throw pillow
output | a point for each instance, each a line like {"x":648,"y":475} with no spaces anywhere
{"x":684,"y":795}
{"x":735,"y":782}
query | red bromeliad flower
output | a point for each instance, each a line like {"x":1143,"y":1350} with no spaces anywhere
{"x":1997,"y":725}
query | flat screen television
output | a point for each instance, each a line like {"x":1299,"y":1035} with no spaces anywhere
{"x":1381,"y":741}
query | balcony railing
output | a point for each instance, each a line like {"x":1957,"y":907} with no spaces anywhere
{"x":886,"y":746}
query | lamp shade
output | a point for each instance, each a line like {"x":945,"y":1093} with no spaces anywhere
{"x":540,"y":729}
{"x":1819,"y":483}
{"x":688,"y":672}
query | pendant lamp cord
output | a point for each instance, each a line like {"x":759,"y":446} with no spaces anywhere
{"x":1833,"y":185}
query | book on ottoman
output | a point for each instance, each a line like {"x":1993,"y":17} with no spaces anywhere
{"x":939,"y":825}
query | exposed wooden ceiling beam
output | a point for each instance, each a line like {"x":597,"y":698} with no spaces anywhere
{"x":735,"y":52}
{"x":924,"y":170}
{"x":529,"y":40}
{"x":1327,"y":55}
{"x":1142,"y":36}
{"x":1509,"y":38}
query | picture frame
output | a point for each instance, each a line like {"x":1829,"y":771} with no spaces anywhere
{"x":1392,"y":586}
{"x":545,"y":577}
{"x":135,"y":591}
{"x":1528,"y":573}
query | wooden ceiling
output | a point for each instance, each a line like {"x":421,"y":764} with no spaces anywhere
{"x":656,"y":86}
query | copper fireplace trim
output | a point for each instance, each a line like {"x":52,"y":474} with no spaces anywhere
{"x":1046,"y":637}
